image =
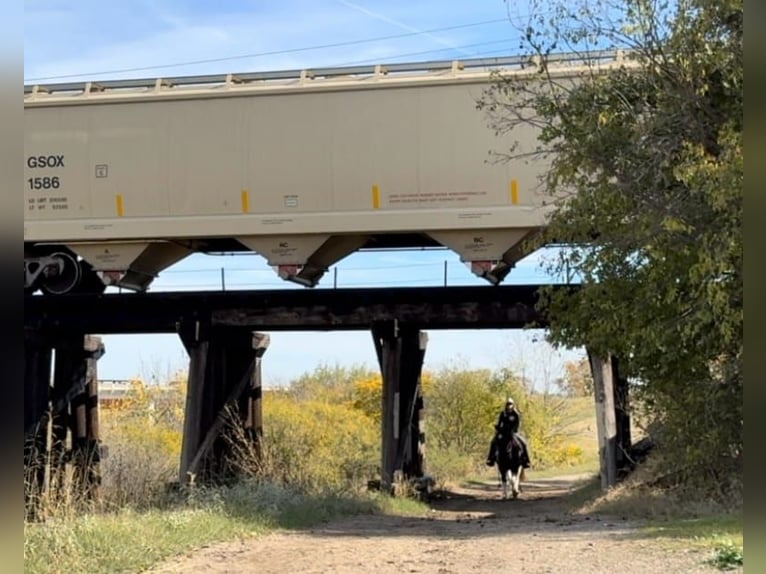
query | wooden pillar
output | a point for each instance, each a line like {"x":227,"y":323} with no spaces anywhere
{"x":38,"y":355}
{"x":622,"y":418}
{"x":70,"y":383}
{"x":195,"y":338}
{"x":86,"y":438}
{"x":252,"y":400}
{"x":222,"y":364}
{"x":603,"y":388}
{"x":400,"y":354}
{"x":388,"y":348}
{"x":410,"y":456}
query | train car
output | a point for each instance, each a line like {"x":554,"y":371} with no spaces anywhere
{"x":125,"y":178}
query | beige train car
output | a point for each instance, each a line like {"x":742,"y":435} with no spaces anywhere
{"x":125,"y":178}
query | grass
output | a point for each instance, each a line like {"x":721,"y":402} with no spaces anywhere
{"x":676,"y":519}
{"x":722,"y":535}
{"x":130,"y":541}
{"x":706,"y":531}
{"x":127,"y":541}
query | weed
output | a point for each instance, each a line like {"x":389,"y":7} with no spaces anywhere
{"x":727,"y":557}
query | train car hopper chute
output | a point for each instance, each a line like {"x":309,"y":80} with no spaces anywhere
{"x":489,"y":253}
{"x":130,"y":264}
{"x":305,"y":258}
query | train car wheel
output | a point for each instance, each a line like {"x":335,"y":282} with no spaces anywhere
{"x":65,"y":281}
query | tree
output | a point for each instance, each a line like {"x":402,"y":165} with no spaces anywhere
{"x":646,"y":178}
{"x":462,"y":407}
{"x":332,"y":384}
{"x":577,"y":380}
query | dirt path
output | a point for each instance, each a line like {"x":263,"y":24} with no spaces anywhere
{"x":470,"y":530}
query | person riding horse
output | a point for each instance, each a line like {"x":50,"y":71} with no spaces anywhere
{"x":506,"y":428}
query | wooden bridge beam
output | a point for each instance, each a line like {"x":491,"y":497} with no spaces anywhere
{"x":224,"y":373}
{"x":86,"y":437}
{"x":400,"y":353}
{"x":75,"y":360}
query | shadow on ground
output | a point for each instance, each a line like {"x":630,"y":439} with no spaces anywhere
{"x":477,"y":510}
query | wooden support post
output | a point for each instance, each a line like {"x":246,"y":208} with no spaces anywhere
{"x":400,"y":354}
{"x":388,"y":347}
{"x":197,"y":344}
{"x":70,"y":382}
{"x":221,"y":369}
{"x":86,"y":439}
{"x":38,"y":354}
{"x":252,"y":400}
{"x":67,"y":374}
{"x":603,"y":388}
{"x":410,"y":449}
{"x":622,"y":418}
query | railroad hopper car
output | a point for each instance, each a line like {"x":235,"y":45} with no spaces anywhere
{"x":125,"y":178}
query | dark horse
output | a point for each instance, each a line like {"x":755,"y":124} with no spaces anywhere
{"x":509,"y":465}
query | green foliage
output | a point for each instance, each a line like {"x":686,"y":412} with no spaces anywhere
{"x":728,"y":557}
{"x":462,"y":408}
{"x":450,"y":465}
{"x":546,"y":432}
{"x":646,"y":175}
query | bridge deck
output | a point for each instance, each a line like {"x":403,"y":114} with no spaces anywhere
{"x":288,"y":310}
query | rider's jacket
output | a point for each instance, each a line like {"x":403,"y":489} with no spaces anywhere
{"x":508,"y":424}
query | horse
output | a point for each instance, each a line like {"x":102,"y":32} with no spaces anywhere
{"x":509,"y":465}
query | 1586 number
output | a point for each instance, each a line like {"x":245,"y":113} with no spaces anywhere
{"x":44,"y":182}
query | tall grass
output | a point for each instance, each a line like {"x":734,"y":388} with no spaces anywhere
{"x":315,"y":462}
{"x":131,"y":540}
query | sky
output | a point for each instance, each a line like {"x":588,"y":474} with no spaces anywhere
{"x":68,"y":40}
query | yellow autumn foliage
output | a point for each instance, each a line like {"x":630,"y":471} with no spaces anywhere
{"x":317,"y":445}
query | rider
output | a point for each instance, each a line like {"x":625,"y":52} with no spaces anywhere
{"x":507,"y":425}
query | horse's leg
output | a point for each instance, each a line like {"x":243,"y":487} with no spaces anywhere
{"x":504,"y":477}
{"x":515,"y":483}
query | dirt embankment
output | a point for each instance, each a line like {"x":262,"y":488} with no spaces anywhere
{"x":470,"y":530}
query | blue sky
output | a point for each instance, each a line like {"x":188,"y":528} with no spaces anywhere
{"x":84,"y":39}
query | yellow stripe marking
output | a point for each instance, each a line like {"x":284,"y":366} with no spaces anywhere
{"x":514,"y":192}
{"x":245,"y":201}
{"x":375,"y":197}
{"x":120,"y":205}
